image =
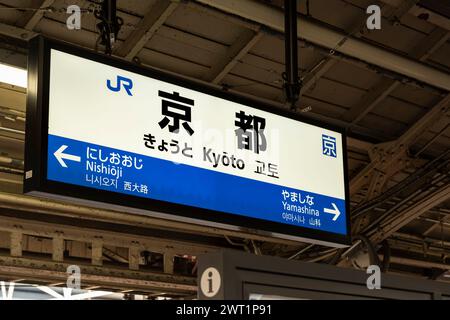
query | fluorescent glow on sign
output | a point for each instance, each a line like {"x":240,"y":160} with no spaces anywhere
{"x":114,"y":130}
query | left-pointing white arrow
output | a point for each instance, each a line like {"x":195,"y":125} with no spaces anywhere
{"x":335,"y":211}
{"x":60,"y":156}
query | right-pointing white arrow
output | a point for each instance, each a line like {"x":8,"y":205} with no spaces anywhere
{"x":60,"y":156}
{"x":334,"y":211}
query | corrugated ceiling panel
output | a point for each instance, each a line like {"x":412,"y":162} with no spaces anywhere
{"x":325,"y":10}
{"x":8,"y":15}
{"x":135,"y":7}
{"x":441,"y":56}
{"x":272,"y":48}
{"x":172,"y":63}
{"x":259,"y":69}
{"x":397,"y":37}
{"x":19,"y":3}
{"x":390,"y":129}
{"x":353,"y":75}
{"x":322,"y":107}
{"x":254,"y":88}
{"x":417,"y":24}
{"x":417,"y":96}
{"x":186,"y":46}
{"x":397,"y":110}
{"x":336,"y":92}
{"x":204,"y":25}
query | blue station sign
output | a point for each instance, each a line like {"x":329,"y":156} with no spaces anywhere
{"x":118,"y":134}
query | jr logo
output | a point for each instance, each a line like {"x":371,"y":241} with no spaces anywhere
{"x":126,"y":83}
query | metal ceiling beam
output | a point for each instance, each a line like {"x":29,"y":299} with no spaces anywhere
{"x":328,"y":62}
{"x":385,"y":87}
{"x":416,"y":10}
{"x":146,"y":28}
{"x":433,"y":17}
{"x":387,"y":228}
{"x":434,"y":41}
{"x":30,"y":19}
{"x":325,"y":37}
{"x":106,"y":277}
{"x":400,"y":146}
{"x":221,"y":16}
{"x":316,"y":73}
{"x":425,"y":179}
{"x":234,"y":54}
{"x":370,"y":100}
{"x":414,"y":247}
{"x":421,"y":239}
{"x":441,"y":6}
{"x":31,"y":204}
{"x":379,"y":178}
{"x":359,"y":144}
{"x":397,"y":13}
{"x":418,"y":263}
{"x":437,"y":224}
{"x":320,"y":69}
{"x":108,"y":238}
{"x":16,"y":32}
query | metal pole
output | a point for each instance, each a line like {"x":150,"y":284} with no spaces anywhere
{"x":291,"y":78}
{"x":111,"y":9}
{"x":109,"y":25}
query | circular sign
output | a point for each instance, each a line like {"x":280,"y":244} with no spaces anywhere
{"x":210,"y":282}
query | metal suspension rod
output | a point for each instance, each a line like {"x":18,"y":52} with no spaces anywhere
{"x":109,"y":25}
{"x":291,"y":78}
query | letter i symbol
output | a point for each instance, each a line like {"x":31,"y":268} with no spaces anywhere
{"x":210,"y":284}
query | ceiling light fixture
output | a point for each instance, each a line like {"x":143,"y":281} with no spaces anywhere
{"x":13,"y":75}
